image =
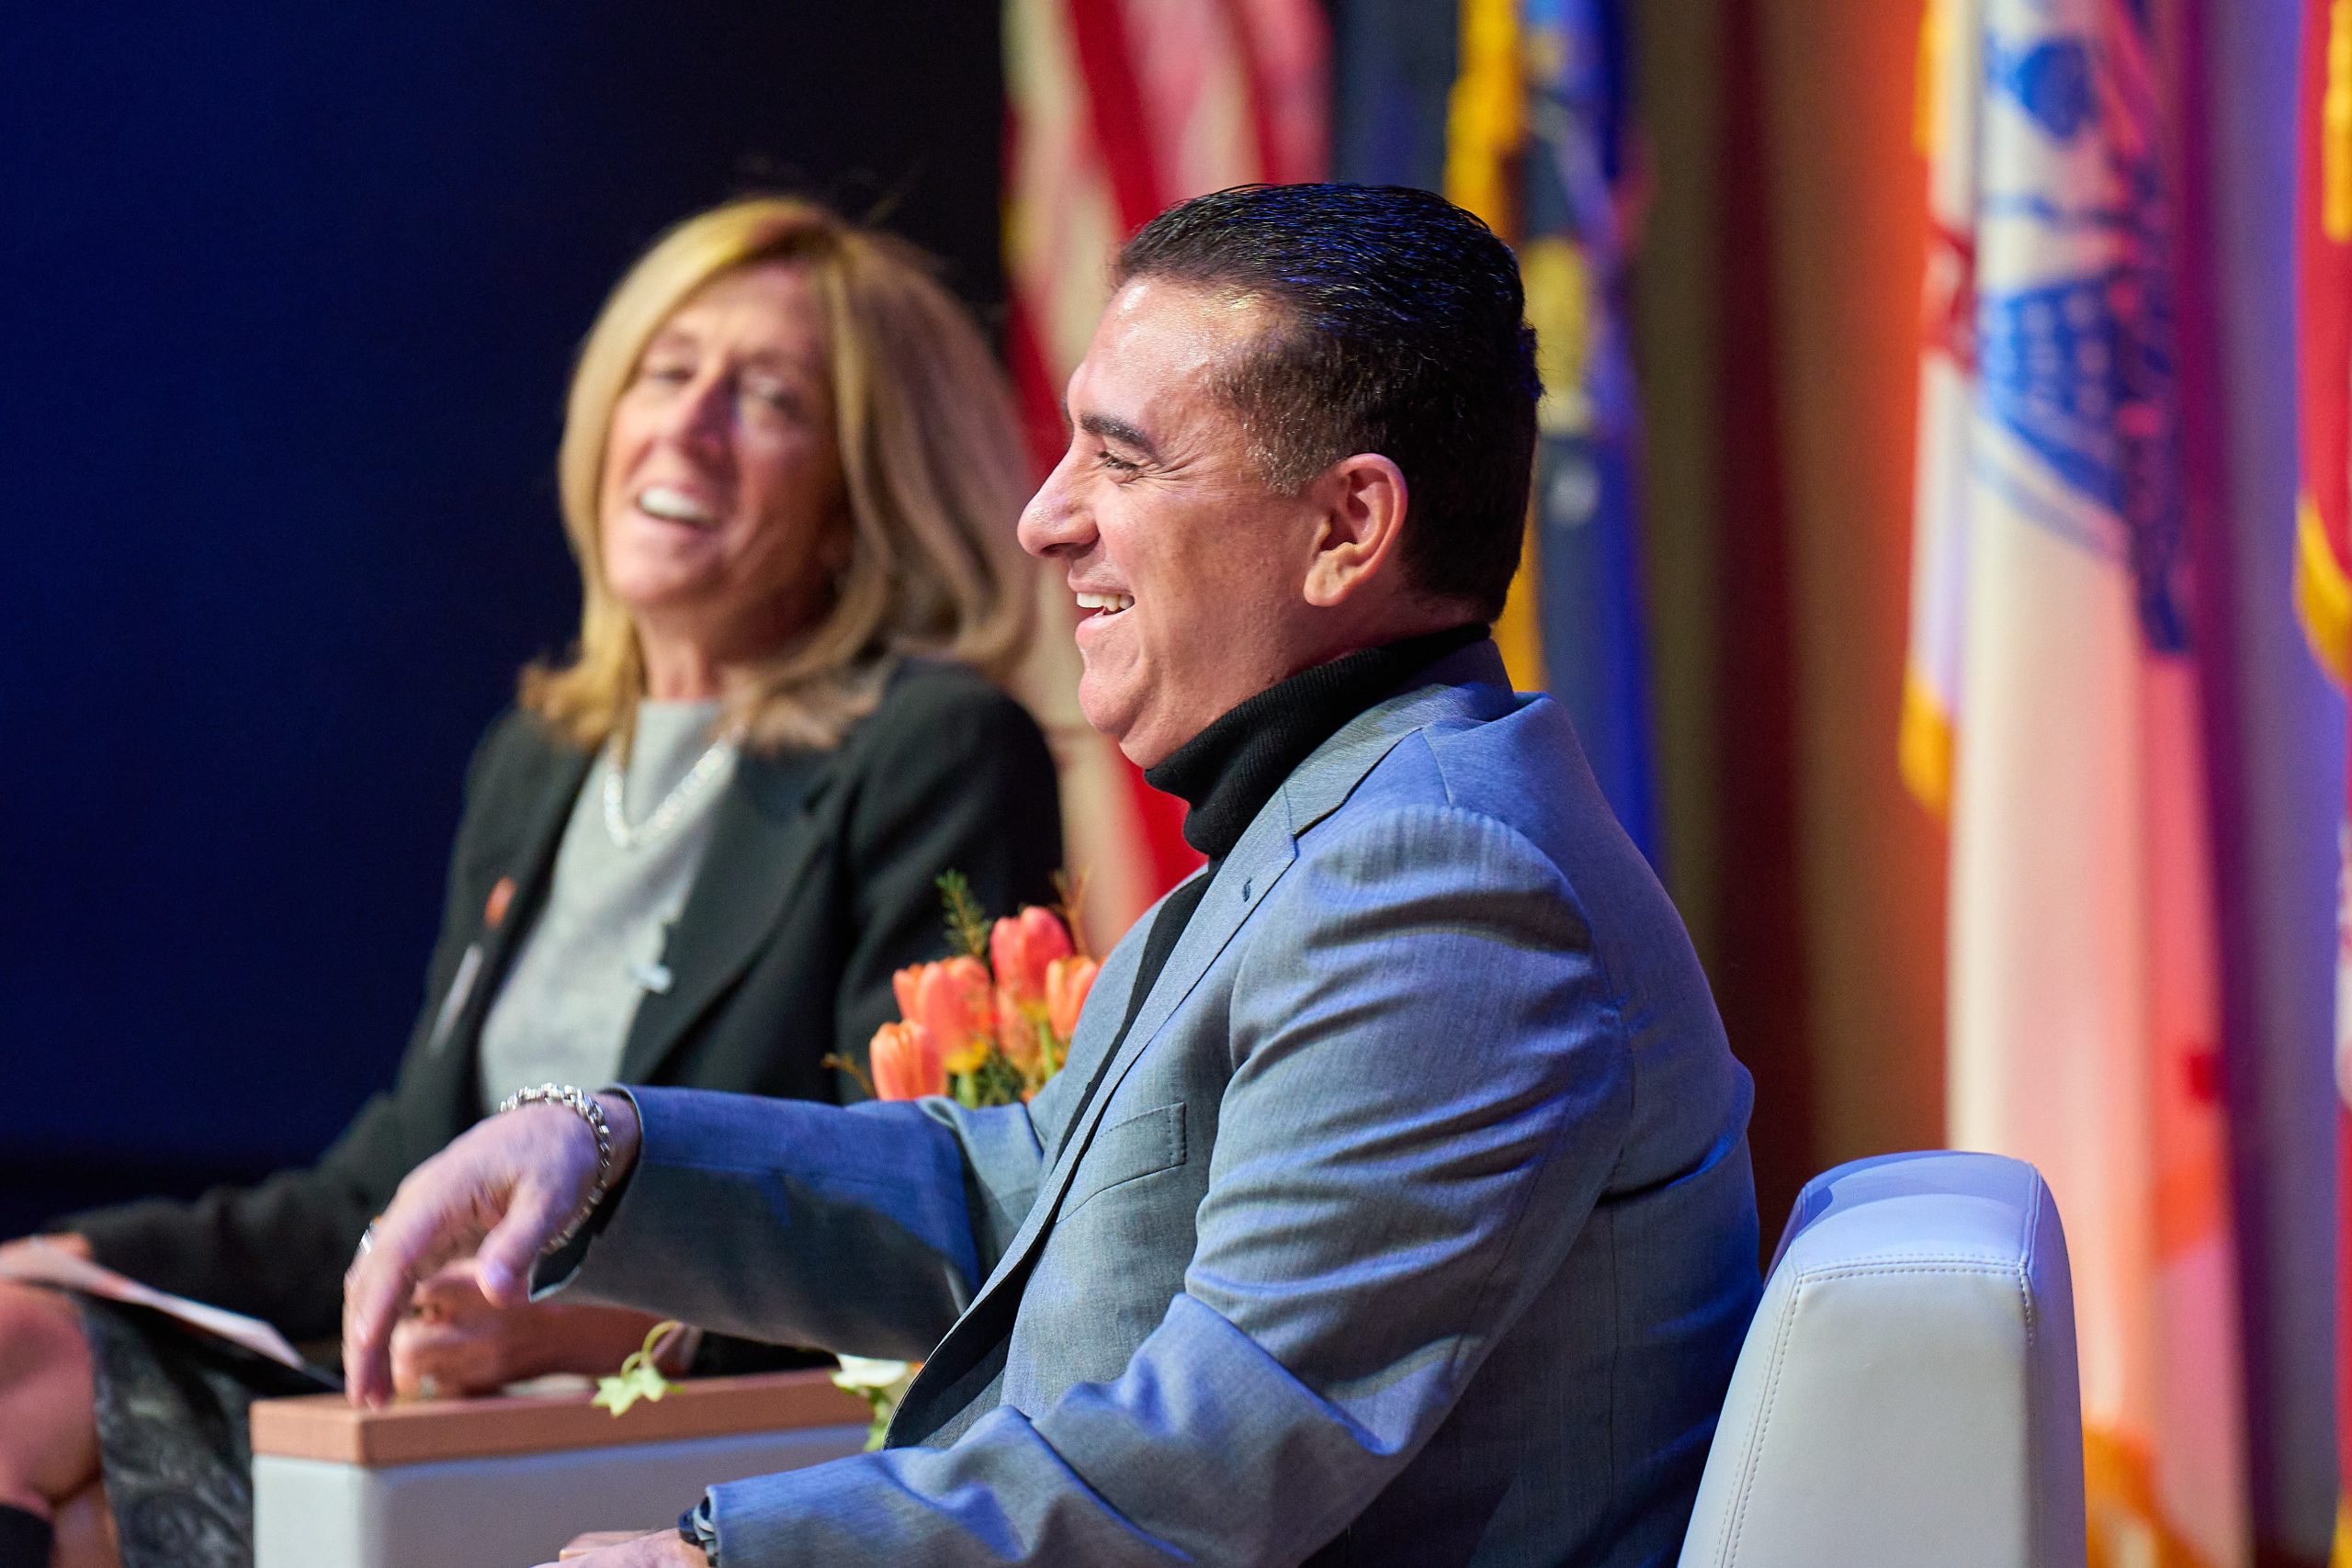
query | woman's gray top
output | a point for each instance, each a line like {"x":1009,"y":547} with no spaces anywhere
{"x":563,"y":1014}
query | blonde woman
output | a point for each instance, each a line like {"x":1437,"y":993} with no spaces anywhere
{"x":692,"y":854}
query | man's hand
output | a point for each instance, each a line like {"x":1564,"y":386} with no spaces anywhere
{"x":501,"y":1192}
{"x":453,"y":1342}
{"x":621,"y":1548}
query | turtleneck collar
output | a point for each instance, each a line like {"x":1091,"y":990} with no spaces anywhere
{"x":1227,"y":772}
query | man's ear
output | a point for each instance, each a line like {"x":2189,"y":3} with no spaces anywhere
{"x":1362,"y":529}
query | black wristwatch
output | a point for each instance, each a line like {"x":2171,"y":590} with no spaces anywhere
{"x":696,"y":1529}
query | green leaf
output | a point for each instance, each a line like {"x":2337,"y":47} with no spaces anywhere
{"x":641,"y":1381}
{"x":995,"y":1081}
{"x":639,"y":1378}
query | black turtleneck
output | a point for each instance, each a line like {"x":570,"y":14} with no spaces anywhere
{"x":1227,"y":773}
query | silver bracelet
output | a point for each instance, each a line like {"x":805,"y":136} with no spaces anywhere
{"x":583,"y":1105}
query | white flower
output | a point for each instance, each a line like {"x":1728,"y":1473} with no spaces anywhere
{"x":861,"y":1374}
{"x":881,"y":1384}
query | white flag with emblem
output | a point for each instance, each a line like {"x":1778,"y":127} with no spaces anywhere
{"x":2052,"y":715}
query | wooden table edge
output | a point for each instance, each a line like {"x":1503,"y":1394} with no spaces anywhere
{"x":325,"y":1427}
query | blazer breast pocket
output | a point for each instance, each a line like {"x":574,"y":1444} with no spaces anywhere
{"x":1128,"y":1150}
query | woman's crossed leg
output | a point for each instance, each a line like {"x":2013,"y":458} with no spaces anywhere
{"x":49,"y":1436}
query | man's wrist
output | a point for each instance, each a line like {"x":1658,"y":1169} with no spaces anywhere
{"x":624,"y":1134}
{"x":696,"y":1530}
{"x":592,"y":1109}
{"x":628,"y":1133}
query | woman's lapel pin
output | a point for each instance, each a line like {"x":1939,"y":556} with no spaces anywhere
{"x":493,"y":913}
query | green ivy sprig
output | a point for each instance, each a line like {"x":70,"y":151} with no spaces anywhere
{"x":639,"y":1378}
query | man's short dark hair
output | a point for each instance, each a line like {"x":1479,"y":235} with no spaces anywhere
{"x":1398,"y":328}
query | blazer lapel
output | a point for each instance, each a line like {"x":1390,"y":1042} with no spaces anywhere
{"x":527,"y":857}
{"x":1262,"y":856}
{"x":1314,"y":789}
{"x":760,"y":849}
{"x":533,"y":869}
{"x":970,"y":1358}
{"x":969,"y":1361}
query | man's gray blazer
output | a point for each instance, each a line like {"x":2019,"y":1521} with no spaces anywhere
{"x":1411,"y":1223}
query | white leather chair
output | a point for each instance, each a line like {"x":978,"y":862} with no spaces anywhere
{"x":1908,"y":1396}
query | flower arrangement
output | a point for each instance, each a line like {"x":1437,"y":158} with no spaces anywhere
{"x":991,"y":1024}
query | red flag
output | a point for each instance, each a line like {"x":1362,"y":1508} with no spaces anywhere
{"x":2323,"y":333}
{"x":2323,"y":588}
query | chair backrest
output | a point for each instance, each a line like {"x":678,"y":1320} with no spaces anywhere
{"x":1906,"y":1395}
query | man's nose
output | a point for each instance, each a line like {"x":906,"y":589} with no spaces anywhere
{"x":1052,"y":522}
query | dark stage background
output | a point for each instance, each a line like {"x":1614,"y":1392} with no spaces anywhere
{"x":287,"y":298}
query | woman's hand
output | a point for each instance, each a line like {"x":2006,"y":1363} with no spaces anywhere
{"x":501,"y":1192}
{"x":620,"y":1549}
{"x":68,"y":1242}
{"x":453,"y":1342}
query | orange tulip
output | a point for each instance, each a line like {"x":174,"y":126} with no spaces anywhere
{"x":902,"y":986}
{"x":1016,"y":1031}
{"x":906,"y":1062}
{"x":955,"y":1002}
{"x":1068,"y":981}
{"x":1021,"y":948}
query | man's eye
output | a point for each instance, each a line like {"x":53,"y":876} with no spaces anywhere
{"x":1116,"y":463}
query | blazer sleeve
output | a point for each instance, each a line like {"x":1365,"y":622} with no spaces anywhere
{"x":865,"y":1231}
{"x":1379,"y":1213}
{"x":277,"y":1250}
{"x":956,"y":776}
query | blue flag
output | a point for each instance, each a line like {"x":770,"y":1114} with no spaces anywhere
{"x":1395,"y":64}
{"x":1591,"y":600}
{"x":1399,"y":67}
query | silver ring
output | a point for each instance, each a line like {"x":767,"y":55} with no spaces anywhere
{"x":367,"y":1240}
{"x":428,"y":1387}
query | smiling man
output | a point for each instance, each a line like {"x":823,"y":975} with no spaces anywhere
{"x":1394,"y":1207}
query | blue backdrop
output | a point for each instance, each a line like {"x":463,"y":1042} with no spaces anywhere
{"x":288,"y":297}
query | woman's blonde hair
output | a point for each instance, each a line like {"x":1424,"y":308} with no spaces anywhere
{"x":930,"y":465}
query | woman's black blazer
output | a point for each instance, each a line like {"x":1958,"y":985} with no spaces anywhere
{"x":818,"y":882}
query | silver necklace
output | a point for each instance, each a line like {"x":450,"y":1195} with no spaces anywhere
{"x":706,"y":767}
